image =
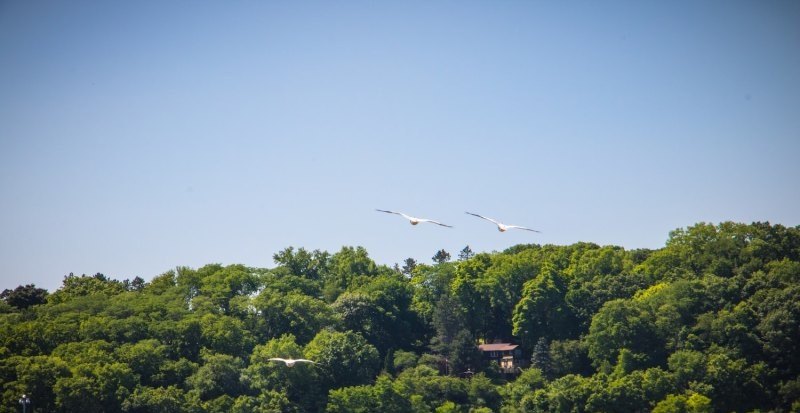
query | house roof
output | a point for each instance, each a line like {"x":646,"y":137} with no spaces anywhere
{"x":498,"y":347}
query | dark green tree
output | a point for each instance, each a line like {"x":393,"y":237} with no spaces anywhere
{"x":408,"y":266}
{"x":24,"y":296}
{"x":463,"y":354}
{"x":448,"y":321}
{"x":157,"y":400}
{"x":441,"y":257}
{"x":540,"y":358}
{"x":465,"y":254}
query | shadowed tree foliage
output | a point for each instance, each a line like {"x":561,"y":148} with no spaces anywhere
{"x":441,"y":257}
{"x":466,"y":253}
{"x":25,"y":296}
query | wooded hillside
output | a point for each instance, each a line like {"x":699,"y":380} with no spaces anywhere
{"x":709,"y":323}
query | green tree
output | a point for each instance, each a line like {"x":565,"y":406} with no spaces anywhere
{"x":404,"y":360}
{"x":225,"y":334}
{"x":145,"y":358}
{"x":311,"y":265}
{"x":622,"y":324}
{"x":735,"y":384}
{"x":174,"y":372}
{"x":542,"y":311}
{"x":350,"y":267}
{"x":221,"y":284}
{"x":431,"y":389}
{"x":441,"y":257}
{"x":429,"y":284}
{"x":466,"y":288}
{"x":689,"y":402}
{"x":381,"y":312}
{"x":778,"y":311}
{"x":85,"y":352}
{"x":448,"y":321}
{"x":378,"y":398}
{"x":221,"y":404}
{"x":465,"y":254}
{"x":346,"y":359}
{"x":565,"y":394}
{"x":408,"y":266}
{"x":264,"y":376}
{"x":35,"y":376}
{"x":74,"y":286}
{"x":219,"y":375}
{"x":156,"y":400}
{"x":501,"y":287}
{"x":463,"y":354}
{"x":265,"y":402}
{"x":540,"y":358}
{"x":687,"y":366}
{"x":569,"y":357}
{"x":526,"y":383}
{"x":292,"y":313}
{"x":94,"y":388}
{"x":483,"y":394}
{"x":25,"y":296}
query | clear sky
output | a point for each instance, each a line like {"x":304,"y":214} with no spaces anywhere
{"x":136,"y":136}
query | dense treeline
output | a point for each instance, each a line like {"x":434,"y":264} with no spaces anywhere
{"x":710,"y":322}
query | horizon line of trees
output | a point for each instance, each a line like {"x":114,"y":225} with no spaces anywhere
{"x":710,"y":322}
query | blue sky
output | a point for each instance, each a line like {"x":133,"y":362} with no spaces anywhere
{"x":140,"y":136}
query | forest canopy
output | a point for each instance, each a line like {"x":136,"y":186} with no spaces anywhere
{"x":708,"y":323}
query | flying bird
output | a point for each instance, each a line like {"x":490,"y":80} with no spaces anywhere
{"x":291,"y":362}
{"x":414,"y":220}
{"x":502,"y":227}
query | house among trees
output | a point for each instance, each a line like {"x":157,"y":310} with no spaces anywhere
{"x":507,"y":355}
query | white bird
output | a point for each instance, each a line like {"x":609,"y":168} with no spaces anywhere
{"x":290,"y":362}
{"x":502,"y":227}
{"x":414,"y":220}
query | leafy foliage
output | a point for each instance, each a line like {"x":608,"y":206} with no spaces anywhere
{"x":24,"y":296}
{"x":710,"y":322}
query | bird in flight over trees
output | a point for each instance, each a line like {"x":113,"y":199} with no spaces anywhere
{"x":500,"y":226}
{"x":291,"y":362}
{"x":414,"y":220}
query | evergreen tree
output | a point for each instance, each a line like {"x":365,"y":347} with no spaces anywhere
{"x":408,"y":266}
{"x":540,"y":358}
{"x":465,"y":253}
{"x":448,"y":320}
{"x":441,"y":257}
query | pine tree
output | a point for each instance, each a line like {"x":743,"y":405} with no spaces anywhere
{"x":465,"y":254}
{"x":408,"y":266}
{"x":441,"y":257}
{"x":540,"y":358}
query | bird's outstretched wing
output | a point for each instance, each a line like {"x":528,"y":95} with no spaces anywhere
{"x":414,"y":219}
{"x":519,"y":227}
{"x":306,"y":361}
{"x":408,"y":217}
{"x":486,"y":218}
{"x":435,"y":222}
{"x":277,"y":359}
